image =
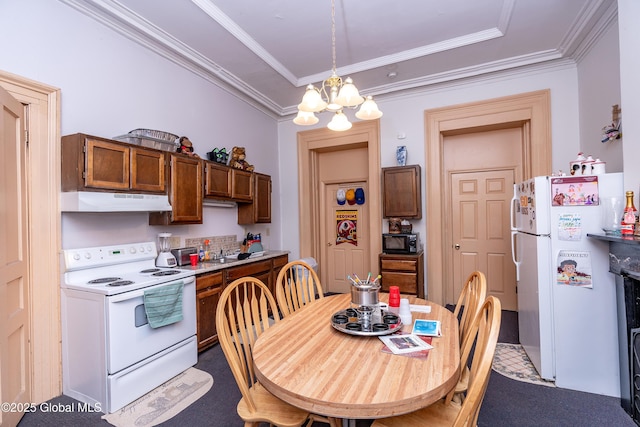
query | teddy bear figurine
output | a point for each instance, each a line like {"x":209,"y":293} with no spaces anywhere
{"x":238,"y":159}
{"x":186,"y":147}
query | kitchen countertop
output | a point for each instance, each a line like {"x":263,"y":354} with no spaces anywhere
{"x":210,"y":266}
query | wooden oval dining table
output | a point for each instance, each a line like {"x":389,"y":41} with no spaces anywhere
{"x":306,"y":362}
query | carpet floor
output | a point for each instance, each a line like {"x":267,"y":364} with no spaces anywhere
{"x":507,"y":402}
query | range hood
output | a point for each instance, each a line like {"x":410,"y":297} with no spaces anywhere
{"x":90,"y":201}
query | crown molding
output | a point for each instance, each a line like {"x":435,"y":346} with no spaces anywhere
{"x":123,"y":21}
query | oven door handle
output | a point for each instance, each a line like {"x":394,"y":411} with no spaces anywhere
{"x":140,"y":292}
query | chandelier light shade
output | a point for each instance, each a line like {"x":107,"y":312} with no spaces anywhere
{"x":305,"y":118}
{"x":369,"y":110}
{"x":339,"y":122}
{"x":334,"y":95}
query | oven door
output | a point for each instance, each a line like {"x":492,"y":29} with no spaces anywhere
{"x":130,"y":339}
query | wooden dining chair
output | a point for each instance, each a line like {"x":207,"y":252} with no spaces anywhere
{"x":469,"y":302}
{"x":242,"y":316}
{"x":483,"y":334}
{"x":297,"y":284}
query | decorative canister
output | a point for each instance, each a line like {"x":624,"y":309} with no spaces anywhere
{"x":405,"y":226}
{"x":587,"y":165}
{"x":395,"y":225}
{"x":598,"y":167}
{"x":575,"y":166}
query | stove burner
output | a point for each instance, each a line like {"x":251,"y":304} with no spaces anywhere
{"x":104,"y":280}
{"x":166,"y":273}
{"x":121,"y":283}
{"x":150,"y":270}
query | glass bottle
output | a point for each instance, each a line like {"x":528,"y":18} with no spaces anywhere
{"x":629,"y":217}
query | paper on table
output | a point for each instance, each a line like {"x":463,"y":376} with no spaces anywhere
{"x":399,"y":344}
{"x":420,"y":308}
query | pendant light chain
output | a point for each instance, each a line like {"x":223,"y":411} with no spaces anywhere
{"x":334,"y":95}
{"x":333,"y":34}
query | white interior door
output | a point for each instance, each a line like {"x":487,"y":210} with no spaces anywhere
{"x":15,"y":383}
{"x":342,"y":223}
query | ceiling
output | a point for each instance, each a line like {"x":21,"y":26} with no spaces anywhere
{"x":267,"y":51}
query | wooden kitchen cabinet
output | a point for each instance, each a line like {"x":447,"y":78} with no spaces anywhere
{"x":278,"y":263}
{"x":404,"y":271}
{"x":185,"y":192}
{"x":260,"y":270}
{"x":241,"y":185}
{"x":217,"y":180}
{"x":266,"y":270}
{"x":259,"y":210}
{"x":401,"y":192}
{"x":209,"y":287}
{"x":90,"y":163}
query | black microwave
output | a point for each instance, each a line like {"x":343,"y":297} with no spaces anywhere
{"x":400,"y":243}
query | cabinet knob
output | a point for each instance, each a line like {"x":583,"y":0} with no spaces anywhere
{"x":457,"y":246}
{"x":328,"y":243}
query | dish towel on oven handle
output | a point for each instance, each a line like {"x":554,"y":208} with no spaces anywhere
{"x":163,"y":305}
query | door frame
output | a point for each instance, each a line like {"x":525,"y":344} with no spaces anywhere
{"x":43,"y":186}
{"x":310,"y":144}
{"x":532,"y":109}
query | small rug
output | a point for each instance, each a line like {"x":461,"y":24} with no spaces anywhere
{"x":163,"y":402}
{"x":512,"y":361}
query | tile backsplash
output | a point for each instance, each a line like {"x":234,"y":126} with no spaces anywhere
{"x":216,"y":243}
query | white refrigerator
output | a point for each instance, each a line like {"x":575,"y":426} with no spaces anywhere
{"x":566,"y":295}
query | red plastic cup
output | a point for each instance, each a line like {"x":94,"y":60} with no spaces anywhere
{"x":194,"y":259}
{"x":394,"y":296}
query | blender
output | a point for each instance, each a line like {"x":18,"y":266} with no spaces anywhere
{"x":165,"y":257}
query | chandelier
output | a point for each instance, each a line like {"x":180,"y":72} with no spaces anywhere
{"x":333,"y":95}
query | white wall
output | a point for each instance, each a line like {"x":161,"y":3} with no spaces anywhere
{"x":599,"y":88}
{"x":628,"y":18}
{"x":405,"y":114}
{"x":111,"y":85}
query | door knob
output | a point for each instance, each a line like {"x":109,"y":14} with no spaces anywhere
{"x":457,"y":246}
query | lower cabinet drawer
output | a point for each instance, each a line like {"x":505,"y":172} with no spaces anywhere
{"x":399,"y":265}
{"x":405,"y":281}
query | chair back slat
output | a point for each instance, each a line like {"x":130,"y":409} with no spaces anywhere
{"x":245,"y":310}
{"x":297,"y":284}
{"x":471,"y":298}
{"x":480,"y":345}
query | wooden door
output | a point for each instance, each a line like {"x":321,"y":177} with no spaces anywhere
{"x":401,"y":192}
{"x":148,"y":169}
{"x":15,"y":353}
{"x":186,"y":189}
{"x":343,"y":257}
{"x":218,"y":180}
{"x":241,"y":185}
{"x":107,"y":165}
{"x":481,"y":231}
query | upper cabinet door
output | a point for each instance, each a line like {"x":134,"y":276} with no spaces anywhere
{"x":217,"y":180}
{"x":186,"y":192}
{"x":106,"y":165}
{"x":242,"y":185}
{"x":148,"y":170}
{"x":402,"y":192}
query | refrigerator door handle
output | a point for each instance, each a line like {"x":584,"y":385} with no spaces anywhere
{"x":512,"y":216}
{"x":513,"y":254}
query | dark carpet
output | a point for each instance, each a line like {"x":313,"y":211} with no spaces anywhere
{"x":506,"y":403}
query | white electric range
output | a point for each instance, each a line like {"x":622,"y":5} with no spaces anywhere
{"x":111,"y":355}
